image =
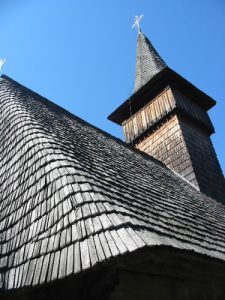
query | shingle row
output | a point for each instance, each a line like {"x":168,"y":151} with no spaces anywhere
{"x":74,"y":197}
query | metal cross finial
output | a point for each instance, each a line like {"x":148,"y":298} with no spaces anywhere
{"x":2,"y":61}
{"x":137,"y":21}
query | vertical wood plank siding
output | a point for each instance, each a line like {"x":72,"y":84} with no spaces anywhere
{"x":158,"y":108}
{"x":177,"y":141}
{"x":148,"y":115}
{"x":192,"y":109}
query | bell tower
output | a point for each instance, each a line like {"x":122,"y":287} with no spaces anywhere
{"x":166,"y":117}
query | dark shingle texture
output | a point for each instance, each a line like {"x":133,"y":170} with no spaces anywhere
{"x":148,"y":62}
{"x":73,"y":197}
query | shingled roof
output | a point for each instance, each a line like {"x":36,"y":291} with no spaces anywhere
{"x":74,"y":197}
{"x":148,"y":61}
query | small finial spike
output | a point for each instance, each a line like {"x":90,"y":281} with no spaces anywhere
{"x":2,"y":61}
{"x":137,"y":21}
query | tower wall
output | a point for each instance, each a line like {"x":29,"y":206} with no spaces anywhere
{"x":150,"y":114}
{"x":167,"y":144}
{"x":204,"y":160}
{"x":167,"y":118}
{"x":174,"y":129}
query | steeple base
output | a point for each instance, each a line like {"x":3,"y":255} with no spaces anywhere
{"x":187,"y":149}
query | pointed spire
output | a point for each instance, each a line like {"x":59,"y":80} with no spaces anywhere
{"x":148,"y":63}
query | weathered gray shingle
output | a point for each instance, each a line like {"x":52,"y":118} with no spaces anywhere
{"x":148,"y":61}
{"x":73,"y":196}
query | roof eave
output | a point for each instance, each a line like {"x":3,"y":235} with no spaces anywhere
{"x":155,"y":85}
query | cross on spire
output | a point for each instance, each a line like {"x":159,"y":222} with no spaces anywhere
{"x":2,"y":61}
{"x":137,"y":21}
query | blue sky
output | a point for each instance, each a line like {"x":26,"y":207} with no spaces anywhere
{"x":81,"y":54}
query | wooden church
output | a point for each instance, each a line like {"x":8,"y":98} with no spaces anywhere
{"x":84,"y":215}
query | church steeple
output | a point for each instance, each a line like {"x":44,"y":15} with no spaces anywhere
{"x":148,"y":61}
{"x":167,"y":118}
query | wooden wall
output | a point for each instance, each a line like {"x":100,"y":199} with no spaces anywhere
{"x":204,"y":160}
{"x":193,"y":110}
{"x":167,"y":144}
{"x":154,"y":111}
{"x":187,"y":149}
{"x":144,"y":286}
{"x":170,"y":276}
{"x":175,"y":130}
{"x":159,"y":107}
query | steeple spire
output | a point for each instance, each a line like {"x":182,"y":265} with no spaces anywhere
{"x":167,"y":118}
{"x":148,"y":61}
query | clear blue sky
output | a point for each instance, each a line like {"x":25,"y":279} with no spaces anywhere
{"x":81,"y":54}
